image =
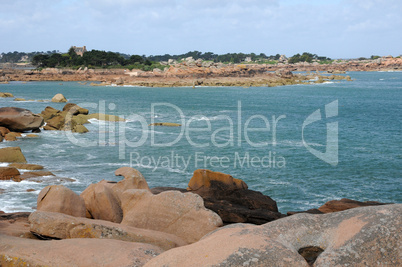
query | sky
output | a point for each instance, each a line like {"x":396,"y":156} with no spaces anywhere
{"x":332,"y":28}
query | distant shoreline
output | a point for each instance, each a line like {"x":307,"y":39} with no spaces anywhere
{"x":189,"y":74}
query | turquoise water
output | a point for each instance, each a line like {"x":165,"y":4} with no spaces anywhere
{"x":369,"y":158}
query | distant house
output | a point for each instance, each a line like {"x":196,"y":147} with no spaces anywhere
{"x":80,"y":50}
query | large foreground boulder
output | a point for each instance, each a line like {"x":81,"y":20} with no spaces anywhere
{"x":19,"y":119}
{"x":101,"y":203}
{"x":58,"y":198}
{"x":183,"y":215}
{"x":370,"y":236}
{"x":62,"y":226}
{"x":12,"y":154}
{"x":16,"y":251}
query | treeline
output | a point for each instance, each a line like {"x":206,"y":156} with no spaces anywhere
{"x":307,"y":57}
{"x":225,"y":58}
{"x":93,"y":59}
{"x":14,"y":57}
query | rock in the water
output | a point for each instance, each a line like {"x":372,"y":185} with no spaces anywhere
{"x":169,"y":124}
{"x":368,"y":236}
{"x":231,"y":200}
{"x":58,"y":198}
{"x":101,"y":203}
{"x":103,"y":117}
{"x":4,"y":131}
{"x":34,"y":174}
{"x":59,"y":98}
{"x":19,"y":119}
{"x":80,"y":129}
{"x":6,"y":94}
{"x":183,"y":215}
{"x":74,"y":109}
{"x":12,"y":136}
{"x":12,"y":154}
{"x":8,"y":173}
{"x":205,"y":182}
{"x":345,"y":204}
{"x":62,"y":226}
{"x":32,"y":167}
{"x":16,"y":251}
{"x":49,"y":113}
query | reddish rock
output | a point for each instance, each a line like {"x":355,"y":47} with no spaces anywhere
{"x":4,"y":131}
{"x":183,"y":215}
{"x":62,"y":226}
{"x":15,"y":224}
{"x":133,"y":179}
{"x":8,"y":173}
{"x":58,"y":198}
{"x":19,"y":120}
{"x":345,"y":204}
{"x":368,"y":236}
{"x":49,"y":113}
{"x":12,"y":154}
{"x":74,"y":109}
{"x":29,"y":175}
{"x":101,"y":203}
{"x":12,"y":136}
{"x":16,"y":251}
{"x":32,"y":167}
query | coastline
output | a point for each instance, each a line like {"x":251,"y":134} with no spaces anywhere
{"x":218,"y":74}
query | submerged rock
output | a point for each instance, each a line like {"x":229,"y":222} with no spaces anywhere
{"x":169,"y":124}
{"x":366,"y":236}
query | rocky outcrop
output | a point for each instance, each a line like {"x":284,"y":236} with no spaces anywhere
{"x":12,"y":154}
{"x":25,"y":166}
{"x":8,"y":173}
{"x":74,"y":252}
{"x":15,"y":224}
{"x":358,"y":237}
{"x":70,"y":119}
{"x":19,"y":119}
{"x":58,"y":198}
{"x":59,"y":98}
{"x":231,"y":200}
{"x":345,"y":204}
{"x":183,"y":215}
{"x":62,"y":226}
{"x":6,"y":94}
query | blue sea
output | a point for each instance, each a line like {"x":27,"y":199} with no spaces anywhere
{"x":302,"y":145}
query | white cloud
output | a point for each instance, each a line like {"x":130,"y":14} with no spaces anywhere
{"x":177,"y":26}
